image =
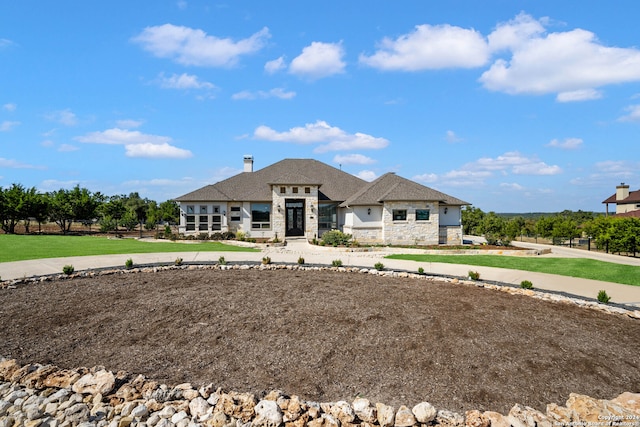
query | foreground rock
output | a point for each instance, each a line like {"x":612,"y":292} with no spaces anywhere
{"x":45,"y":396}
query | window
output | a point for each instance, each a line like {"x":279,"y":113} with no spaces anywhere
{"x":260,"y":215}
{"x":307,"y":190}
{"x":422,"y":214}
{"x":191,"y":223}
{"x":399,"y":214}
{"x":295,"y":190}
{"x":283,"y":190}
{"x":235,"y":213}
{"x":203,"y":223}
{"x":203,"y":218}
{"x":190,"y":209}
{"x":216,"y":223}
{"x":216,"y":209}
{"x":327,"y":217}
{"x":203,"y":210}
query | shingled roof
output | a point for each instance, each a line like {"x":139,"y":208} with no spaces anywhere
{"x":634,"y":197}
{"x":256,"y":186}
{"x":391,"y":187}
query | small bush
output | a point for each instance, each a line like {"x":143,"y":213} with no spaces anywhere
{"x":474,"y":275}
{"x":178,"y":261}
{"x":336,"y":263}
{"x":128,"y":263}
{"x":526,"y":284}
{"x":420,"y":270}
{"x":603,"y":297}
{"x":266,"y":260}
{"x":300,"y":260}
{"x":335,"y":238}
{"x":68,"y":269}
{"x":222,"y":261}
{"x":241,"y":236}
{"x":378,"y":266}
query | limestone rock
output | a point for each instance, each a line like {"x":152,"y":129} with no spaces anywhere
{"x":424,"y":412}
{"x":630,"y":401}
{"x":586,"y":408}
{"x":560,"y":414}
{"x":99,"y":382}
{"x":404,"y":417}
{"x":198,"y":407}
{"x":77,"y":413}
{"x":475,"y":419}
{"x":364,"y":410}
{"x":524,"y":416}
{"x":128,"y":393}
{"x":386,"y":414}
{"x":495,"y":419}
{"x":23,"y":371}
{"x":62,"y":379}
{"x":268,"y":414}
{"x":449,"y":419}
{"x":35,"y":380}
{"x":342,"y":411}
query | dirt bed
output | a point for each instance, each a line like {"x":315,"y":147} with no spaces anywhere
{"x":326,"y":336}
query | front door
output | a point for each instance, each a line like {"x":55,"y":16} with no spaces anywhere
{"x":295,"y":217}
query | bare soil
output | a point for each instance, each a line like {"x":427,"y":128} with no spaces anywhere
{"x":326,"y":336}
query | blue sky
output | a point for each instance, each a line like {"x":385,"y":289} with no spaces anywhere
{"x":513,"y":106}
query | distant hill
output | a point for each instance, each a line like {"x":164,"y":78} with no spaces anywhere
{"x":537,"y":215}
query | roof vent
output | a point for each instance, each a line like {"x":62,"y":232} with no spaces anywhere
{"x":248,"y":163}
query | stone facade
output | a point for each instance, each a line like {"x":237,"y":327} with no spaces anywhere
{"x":410,"y":231}
{"x":279,"y":211}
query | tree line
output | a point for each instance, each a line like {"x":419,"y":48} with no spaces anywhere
{"x":64,"y":207}
{"x":609,"y":233}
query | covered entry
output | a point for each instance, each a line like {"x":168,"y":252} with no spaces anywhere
{"x":294,"y":221}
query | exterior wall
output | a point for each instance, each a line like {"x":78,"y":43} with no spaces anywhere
{"x":214,"y":213}
{"x":364,"y":223}
{"x":627,"y":207}
{"x":410,"y":231}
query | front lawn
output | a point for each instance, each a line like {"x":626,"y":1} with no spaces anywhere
{"x":21,"y":247}
{"x":573,"y":267}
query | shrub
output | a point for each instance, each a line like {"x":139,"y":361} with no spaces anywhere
{"x":474,"y":275}
{"x":378,"y":266}
{"x":526,"y":284}
{"x":266,"y":260}
{"x":300,"y":260}
{"x":603,"y":297}
{"x":420,"y":270}
{"x":68,"y":269}
{"x":336,"y":263}
{"x":167,"y":231}
{"x":178,"y":261}
{"x":241,"y":236}
{"x":203,"y":236}
{"x":335,"y":238}
{"x":222,"y":261}
{"x":128,"y":263}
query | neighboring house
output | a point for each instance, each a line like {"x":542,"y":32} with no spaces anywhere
{"x":626,"y":201}
{"x":305,"y":197}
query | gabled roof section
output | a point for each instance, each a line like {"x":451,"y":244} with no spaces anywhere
{"x":634,"y":197}
{"x":256,"y":186}
{"x":391,"y":187}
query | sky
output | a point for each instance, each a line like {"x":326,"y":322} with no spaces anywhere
{"x":510,"y":105}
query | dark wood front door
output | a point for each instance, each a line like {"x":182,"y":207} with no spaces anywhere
{"x":295,"y":217}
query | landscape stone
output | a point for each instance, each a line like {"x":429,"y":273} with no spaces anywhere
{"x":364,"y":410}
{"x":424,"y":412}
{"x":386,"y":414}
{"x":268,"y":414}
{"x":99,"y":382}
{"x":404,"y":417}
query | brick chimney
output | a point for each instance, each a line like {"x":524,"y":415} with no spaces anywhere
{"x":248,"y":164}
{"x":622,"y":191}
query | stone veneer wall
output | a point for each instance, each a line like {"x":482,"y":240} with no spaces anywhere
{"x":37,"y":395}
{"x":278,"y":219}
{"x":410,"y":232}
{"x":365,"y":234}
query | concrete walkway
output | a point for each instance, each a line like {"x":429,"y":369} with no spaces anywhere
{"x":624,"y":294}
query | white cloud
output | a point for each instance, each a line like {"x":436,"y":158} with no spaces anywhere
{"x":156,"y":151}
{"x":129,"y":123}
{"x":64,"y":117}
{"x":512,"y":186}
{"x":14,"y":164}
{"x":430,"y":47}
{"x":452,"y":138}
{"x":633,"y":114}
{"x":333,"y":138}
{"x":353,"y":159}
{"x":182,"y":5}
{"x":273,"y":93}
{"x":8,"y":125}
{"x":9,"y":107}
{"x":183,"y":81}
{"x":47,"y":143}
{"x":517,"y":164}
{"x":571,"y":63}
{"x":188,"y":46}
{"x":367,"y":175}
{"x":5,"y":43}
{"x":319,"y":60}
{"x":579,"y":95}
{"x":275,"y":65}
{"x":136,"y":143}
{"x":67,"y":148}
{"x":567,"y":144}
{"x":427,"y":178}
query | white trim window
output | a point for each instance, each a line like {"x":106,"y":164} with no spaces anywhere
{"x":260,"y":216}
{"x":399,"y":214}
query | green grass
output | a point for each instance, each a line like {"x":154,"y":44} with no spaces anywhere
{"x":573,"y":267}
{"x":20,"y":247}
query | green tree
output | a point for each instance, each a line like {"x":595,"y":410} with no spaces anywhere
{"x":492,"y":228}
{"x":471,"y":220}
{"x":67,"y":206}
{"x":112,"y":211}
{"x":169,"y":212}
{"x":12,"y":207}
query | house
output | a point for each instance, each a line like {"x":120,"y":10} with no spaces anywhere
{"x":627,"y":202}
{"x":305,"y":197}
